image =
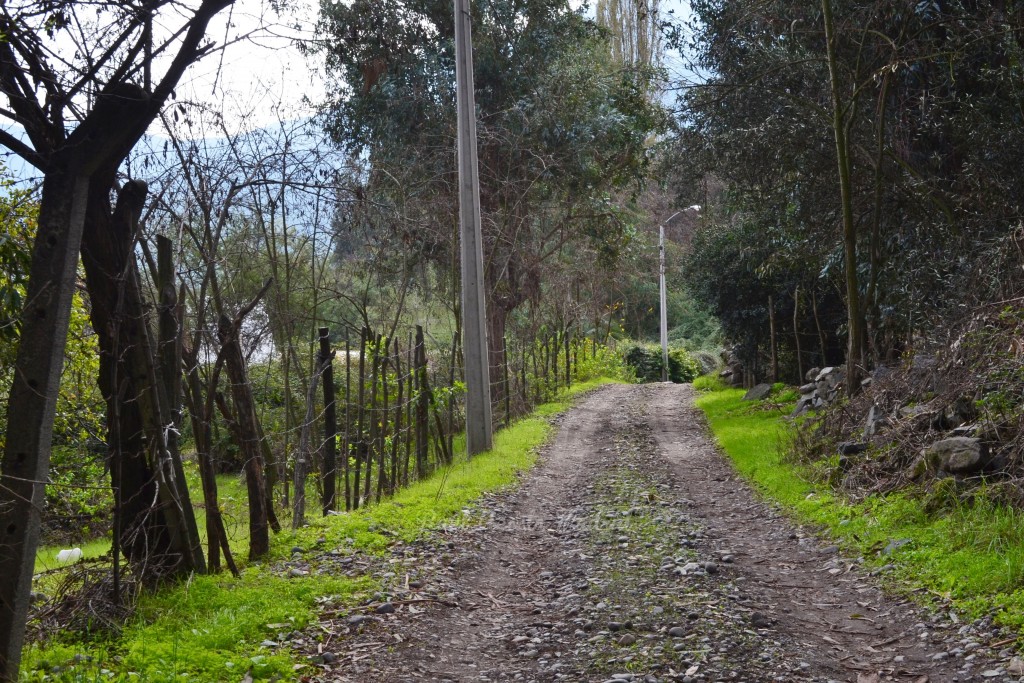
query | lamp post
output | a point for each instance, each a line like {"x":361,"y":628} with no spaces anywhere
{"x":663,"y":296}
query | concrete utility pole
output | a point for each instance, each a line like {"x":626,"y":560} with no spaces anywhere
{"x":663,"y":295}
{"x":474,"y":329}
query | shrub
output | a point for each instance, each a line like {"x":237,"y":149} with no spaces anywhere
{"x":600,"y":361}
{"x":646,"y":362}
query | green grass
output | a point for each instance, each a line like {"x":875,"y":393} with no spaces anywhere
{"x":970,"y":553}
{"x":210,"y":627}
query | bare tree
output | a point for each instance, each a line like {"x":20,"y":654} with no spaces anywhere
{"x":81,"y":110}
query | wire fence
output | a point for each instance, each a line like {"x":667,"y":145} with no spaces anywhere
{"x":400,"y":409}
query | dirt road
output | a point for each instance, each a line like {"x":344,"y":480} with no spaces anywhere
{"x":634,"y":552}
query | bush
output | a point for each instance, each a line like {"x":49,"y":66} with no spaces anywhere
{"x":646,"y":362}
{"x":600,"y":361}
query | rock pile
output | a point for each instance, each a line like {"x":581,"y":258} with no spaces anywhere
{"x":916,"y":419}
{"x":823,"y":386}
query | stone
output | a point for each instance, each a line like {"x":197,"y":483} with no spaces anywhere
{"x":918,"y":468}
{"x":802,"y":406}
{"x":295,"y":572}
{"x":961,"y":411}
{"x":957,"y":455}
{"x":758,"y":393}
{"x":808,"y":388}
{"x":825,"y":374}
{"x":921,"y":416}
{"x":1016,"y":667}
{"x":812,"y":374}
{"x":736,"y":376}
{"x":385,"y":608}
{"x":895,"y":545}
{"x":626,"y":640}
{"x":875,"y":421}
{"x":677,"y":632}
{"x":922,"y":363}
{"x":965,"y":430}
{"x":357,"y":619}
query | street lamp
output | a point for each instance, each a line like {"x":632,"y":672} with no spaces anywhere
{"x":663,"y":295}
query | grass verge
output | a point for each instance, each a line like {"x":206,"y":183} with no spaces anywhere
{"x":971,"y":554}
{"x":210,"y":628}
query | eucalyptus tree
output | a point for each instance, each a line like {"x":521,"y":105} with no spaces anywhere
{"x":560,"y":126}
{"x":635,"y":28}
{"x":83,"y":81}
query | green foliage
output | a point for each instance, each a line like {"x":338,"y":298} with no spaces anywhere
{"x":18,"y":213}
{"x":927,"y":96}
{"x":646,"y":363}
{"x":564,"y":137}
{"x":594,"y":361}
{"x":969,"y":551}
{"x":76,"y":497}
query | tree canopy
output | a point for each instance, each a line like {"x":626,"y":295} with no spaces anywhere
{"x":923,"y":96}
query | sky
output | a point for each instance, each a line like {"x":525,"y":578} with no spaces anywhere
{"x":261,"y":67}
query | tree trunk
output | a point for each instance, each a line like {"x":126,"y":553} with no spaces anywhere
{"x":145,"y":464}
{"x":396,"y":472}
{"x":247,"y":432}
{"x":360,"y":441}
{"x":872,"y":313}
{"x":773,"y":339}
{"x":382,"y":432}
{"x":329,"y":460}
{"x":840,"y":128}
{"x":200,"y":412}
{"x":422,"y":405}
{"x":821,"y":333}
{"x":796,"y":335}
{"x":346,"y":451}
